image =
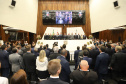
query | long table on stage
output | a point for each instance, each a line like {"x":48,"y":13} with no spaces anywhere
{"x":71,"y":44}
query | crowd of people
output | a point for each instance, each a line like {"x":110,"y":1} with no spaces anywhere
{"x":24,"y":63}
{"x":64,"y":37}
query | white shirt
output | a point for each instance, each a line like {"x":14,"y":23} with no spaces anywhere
{"x":3,"y":80}
{"x":41,"y":66}
{"x":54,"y":77}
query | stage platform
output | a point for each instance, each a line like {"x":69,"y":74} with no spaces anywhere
{"x":71,"y":44}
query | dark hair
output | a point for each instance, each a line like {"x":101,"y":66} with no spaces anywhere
{"x":64,"y":45}
{"x":47,"y":45}
{"x":14,"y":50}
{"x":19,"y":78}
{"x":102,"y":48}
{"x":108,"y":45}
{"x":23,"y":45}
{"x":3,"y":47}
{"x":28,"y":47}
{"x":83,"y":47}
{"x":85,"y":53}
{"x":78,"y":48}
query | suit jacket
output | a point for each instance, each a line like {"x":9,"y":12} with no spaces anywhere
{"x":76,"y":54}
{"x":65,"y":71}
{"x":20,"y":52}
{"x":68,"y":56}
{"x":24,"y":49}
{"x":47,"y":52}
{"x":84,"y":77}
{"x":101,"y":65}
{"x":29,"y":62}
{"x":16,"y":62}
{"x":4,"y":59}
{"x":93,"y":54}
{"x":89,"y":60}
{"x":118,"y":61}
{"x":53,"y":56}
{"x":81,"y":53}
{"x":53,"y":81}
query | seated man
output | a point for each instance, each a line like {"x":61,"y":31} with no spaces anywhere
{"x":83,"y":75}
{"x":54,"y":68}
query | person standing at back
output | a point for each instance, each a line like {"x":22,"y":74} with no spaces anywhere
{"x":65,"y":71}
{"x":4,"y":59}
{"x":76,"y":56}
{"x":29,"y":63}
{"x":84,"y":75}
{"x":16,"y":61}
{"x":54,"y":68}
{"x":102,"y":63}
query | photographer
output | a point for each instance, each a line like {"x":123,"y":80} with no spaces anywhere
{"x":83,"y":75}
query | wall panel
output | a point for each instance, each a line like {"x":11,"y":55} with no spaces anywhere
{"x":63,"y":5}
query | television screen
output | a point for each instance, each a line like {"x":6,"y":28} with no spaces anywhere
{"x":49,"y":17}
{"x":64,"y":17}
{"x":78,"y":17}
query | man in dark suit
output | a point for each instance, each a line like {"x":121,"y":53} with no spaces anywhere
{"x":29,"y":64}
{"x":54,"y":68}
{"x":4,"y":59}
{"x":47,"y":51}
{"x":78,"y":36}
{"x":55,"y":54}
{"x":75,"y":36}
{"x":84,"y":36}
{"x":109,"y":51}
{"x":93,"y":53}
{"x":76,"y":56}
{"x":65,"y":71}
{"x":84,"y":75}
{"x":48,"y":48}
{"x":118,"y":63}
{"x":101,"y":65}
{"x":85,"y":57}
{"x":82,"y":51}
{"x":68,"y":53}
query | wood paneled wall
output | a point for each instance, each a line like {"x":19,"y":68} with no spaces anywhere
{"x":63,"y":5}
{"x":113,"y":35}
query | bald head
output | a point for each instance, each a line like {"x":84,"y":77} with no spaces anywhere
{"x":84,"y":65}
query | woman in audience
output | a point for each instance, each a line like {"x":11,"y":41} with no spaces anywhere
{"x":19,"y":78}
{"x":41,"y":65}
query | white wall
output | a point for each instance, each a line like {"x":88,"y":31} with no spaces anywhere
{"x":104,"y":16}
{"x":23,"y":16}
